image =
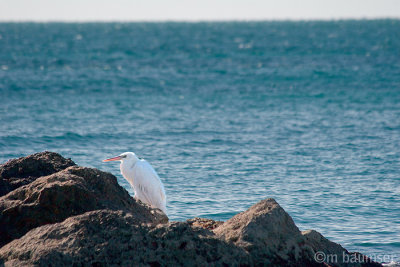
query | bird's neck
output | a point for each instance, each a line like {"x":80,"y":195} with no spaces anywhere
{"x":129,"y":163}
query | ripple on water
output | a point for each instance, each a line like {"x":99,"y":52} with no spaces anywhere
{"x":301,"y":125}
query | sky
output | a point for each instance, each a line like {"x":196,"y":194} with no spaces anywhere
{"x":194,"y":10}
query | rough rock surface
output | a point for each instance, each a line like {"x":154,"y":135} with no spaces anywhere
{"x":333,"y":253}
{"x":204,"y":223}
{"x":22,"y":171}
{"x":268,"y":233}
{"x":81,"y":217}
{"x":107,"y":238}
{"x":66,"y":193}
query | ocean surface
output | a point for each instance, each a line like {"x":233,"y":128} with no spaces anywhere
{"x":228,"y":114}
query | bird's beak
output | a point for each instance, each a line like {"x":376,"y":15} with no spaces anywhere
{"x":113,"y":159}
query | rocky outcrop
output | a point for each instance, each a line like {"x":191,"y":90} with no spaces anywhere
{"x":73,"y":191}
{"x":332,"y":253}
{"x":81,"y":216}
{"x":22,"y":171}
{"x":268,"y":234}
{"x":113,"y":238}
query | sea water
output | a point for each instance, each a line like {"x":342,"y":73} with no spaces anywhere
{"x":228,"y":114}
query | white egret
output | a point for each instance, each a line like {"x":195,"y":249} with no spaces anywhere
{"x":143,"y":178}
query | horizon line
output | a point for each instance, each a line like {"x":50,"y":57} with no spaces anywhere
{"x":200,"y":20}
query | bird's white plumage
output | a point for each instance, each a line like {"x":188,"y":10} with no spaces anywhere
{"x":144,"y":180}
{"x":145,"y":183}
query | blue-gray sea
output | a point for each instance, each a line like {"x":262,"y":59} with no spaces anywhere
{"x":227,"y":113}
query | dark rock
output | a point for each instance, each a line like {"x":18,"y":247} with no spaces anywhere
{"x":70,"y":215}
{"x":332,"y":253}
{"x":269,"y":234}
{"x":70,"y":192}
{"x":113,"y":238}
{"x":320,"y":244}
{"x":18,"y":172}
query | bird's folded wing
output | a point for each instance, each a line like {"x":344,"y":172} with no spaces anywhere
{"x":148,"y":185}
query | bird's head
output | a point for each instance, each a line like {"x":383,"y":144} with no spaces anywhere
{"x":122,"y":157}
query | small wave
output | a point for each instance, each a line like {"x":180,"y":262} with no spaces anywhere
{"x":391,"y":264}
{"x":67,"y":135}
{"x":75,"y":136}
{"x":221,"y":141}
{"x":371,"y":244}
